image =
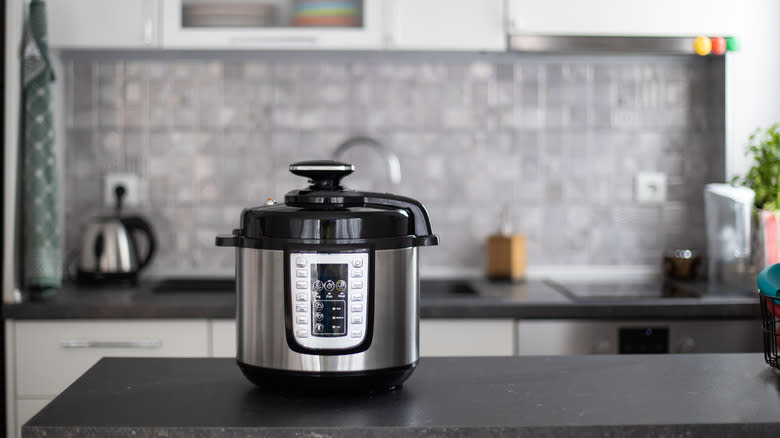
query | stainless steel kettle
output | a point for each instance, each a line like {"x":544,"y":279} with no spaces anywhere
{"x":109,"y":248}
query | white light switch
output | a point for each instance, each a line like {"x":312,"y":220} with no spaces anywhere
{"x":650,"y":187}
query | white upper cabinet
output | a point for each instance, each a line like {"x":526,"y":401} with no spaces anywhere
{"x":272,"y":24}
{"x":623,"y":17}
{"x":96,"y":24}
{"x":445,"y":25}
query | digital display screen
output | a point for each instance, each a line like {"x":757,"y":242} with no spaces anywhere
{"x":329,"y":299}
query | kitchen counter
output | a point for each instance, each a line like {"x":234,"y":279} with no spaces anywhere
{"x":664,"y":395}
{"x":439,"y":299}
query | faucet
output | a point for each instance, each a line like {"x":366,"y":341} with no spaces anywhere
{"x":393,"y":164}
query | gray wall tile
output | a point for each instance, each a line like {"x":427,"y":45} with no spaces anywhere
{"x":556,"y":142}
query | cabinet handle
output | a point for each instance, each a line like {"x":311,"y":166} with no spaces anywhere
{"x":390,"y":23}
{"x":81,"y":343}
{"x":299,"y":40}
{"x":148,"y":30}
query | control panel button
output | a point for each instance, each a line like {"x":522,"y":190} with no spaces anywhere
{"x":330,"y":294}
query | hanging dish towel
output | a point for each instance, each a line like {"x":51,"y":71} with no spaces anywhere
{"x":42,"y":232}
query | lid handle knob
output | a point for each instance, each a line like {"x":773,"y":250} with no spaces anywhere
{"x":323,"y":174}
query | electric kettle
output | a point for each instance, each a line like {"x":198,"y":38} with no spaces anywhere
{"x":109,"y":249}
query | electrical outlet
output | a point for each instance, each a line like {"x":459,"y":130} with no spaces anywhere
{"x":129,"y":181}
{"x":650,"y":187}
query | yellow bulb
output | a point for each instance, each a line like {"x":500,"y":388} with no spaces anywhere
{"x":702,"y":45}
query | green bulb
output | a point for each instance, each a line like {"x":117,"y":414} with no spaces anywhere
{"x":732,"y":44}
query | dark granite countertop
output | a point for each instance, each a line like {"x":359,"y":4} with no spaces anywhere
{"x":479,"y":298}
{"x":709,"y":395}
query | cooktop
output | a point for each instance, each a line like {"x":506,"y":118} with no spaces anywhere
{"x":190,"y":285}
{"x":649,"y":289}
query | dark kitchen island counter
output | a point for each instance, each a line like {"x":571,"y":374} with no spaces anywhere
{"x":584,"y":396}
{"x":471,"y":298}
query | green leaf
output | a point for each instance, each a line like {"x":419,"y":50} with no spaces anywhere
{"x":764,"y":175}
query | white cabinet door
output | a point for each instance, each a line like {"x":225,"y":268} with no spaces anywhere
{"x":623,"y":18}
{"x":93,"y":24}
{"x":438,"y":337}
{"x":177,"y":35}
{"x":26,"y":409}
{"x":446,"y":25}
{"x":50,"y":355}
{"x":466,"y":337}
{"x":223,"y":338}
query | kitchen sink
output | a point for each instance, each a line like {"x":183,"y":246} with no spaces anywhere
{"x":428,"y":288}
{"x":195,"y":285}
{"x":447,"y":288}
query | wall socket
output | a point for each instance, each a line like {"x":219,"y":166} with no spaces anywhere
{"x":650,"y":187}
{"x":129,"y":181}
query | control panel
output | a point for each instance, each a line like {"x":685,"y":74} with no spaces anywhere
{"x":329,"y":296}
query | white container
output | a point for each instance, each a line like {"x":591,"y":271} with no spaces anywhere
{"x":728,"y":218}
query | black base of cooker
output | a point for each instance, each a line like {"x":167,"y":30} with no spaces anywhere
{"x":370,"y":381}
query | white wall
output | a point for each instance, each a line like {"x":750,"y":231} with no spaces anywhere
{"x":752,"y":79}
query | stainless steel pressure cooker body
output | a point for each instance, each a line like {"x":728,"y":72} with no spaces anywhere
{"x":328,"y":286}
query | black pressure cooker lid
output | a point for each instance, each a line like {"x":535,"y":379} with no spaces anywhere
{"x":326,"y":213}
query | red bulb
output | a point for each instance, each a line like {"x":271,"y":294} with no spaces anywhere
{"x":718,"y":45}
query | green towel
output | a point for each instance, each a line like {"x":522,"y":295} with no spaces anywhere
{"x":42,"y":233}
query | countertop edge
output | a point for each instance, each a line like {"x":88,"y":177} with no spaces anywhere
{"x":690,"y":430}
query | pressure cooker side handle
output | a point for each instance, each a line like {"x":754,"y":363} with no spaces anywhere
{"x":420,"y":220}
{"x":227,"y":240}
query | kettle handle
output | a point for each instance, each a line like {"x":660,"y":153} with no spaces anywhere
{"x":140,"y":224}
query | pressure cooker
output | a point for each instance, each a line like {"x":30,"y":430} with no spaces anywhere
{"x":328,"y":285}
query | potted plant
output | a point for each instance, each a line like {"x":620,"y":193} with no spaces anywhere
{"x":764,"y":178}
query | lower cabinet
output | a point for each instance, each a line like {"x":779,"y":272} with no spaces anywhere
{"x":45,"y":357}
{"x":223,"y":338}
{"x":438,"y":337}
{"x":467,"y":337}
{"x":566,"y":336}
{"x":25,"y":409}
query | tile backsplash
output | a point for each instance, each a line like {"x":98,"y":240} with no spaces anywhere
{"x":558,"y":141}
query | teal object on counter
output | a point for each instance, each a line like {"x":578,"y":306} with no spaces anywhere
{"x":769,"y":281}
{"x":42,"y":233}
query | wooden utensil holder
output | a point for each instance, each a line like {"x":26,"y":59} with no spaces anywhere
{"x":506,"y":257}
